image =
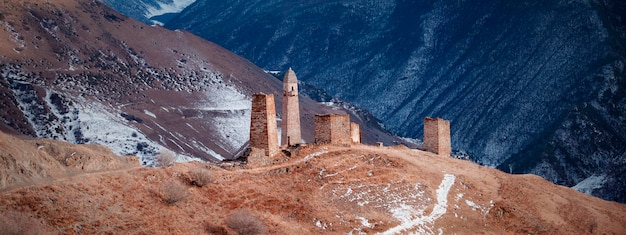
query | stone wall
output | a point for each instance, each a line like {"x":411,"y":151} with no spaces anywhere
{"x":332,"y":129}
{"x":355,"y":133}
{"x":437,"y":136}
{"x":263,"y":130}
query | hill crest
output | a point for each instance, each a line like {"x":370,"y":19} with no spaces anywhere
{"x":319,"y":189}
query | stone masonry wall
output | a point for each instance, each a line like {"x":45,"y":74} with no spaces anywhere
{"x":322,"y":129}
{"x":437,"y":136}
{"x":263,"y":130}
{"x":332,"y":129}
{"x":355,"y":133}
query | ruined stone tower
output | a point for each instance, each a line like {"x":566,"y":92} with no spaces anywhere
{"x":437,"y":136}
{"x":291,"y":110}
{"x":332,"y":129}
{"x":263,"y":130}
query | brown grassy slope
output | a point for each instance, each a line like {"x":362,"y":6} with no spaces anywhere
{"x":320,"y":189}
{"x":30,"y":161}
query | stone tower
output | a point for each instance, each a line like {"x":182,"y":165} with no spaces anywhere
{"x":437,"y":136}
{"x":332,"y":129}
{"x":263,"y":130}
{"x":291,"y":110}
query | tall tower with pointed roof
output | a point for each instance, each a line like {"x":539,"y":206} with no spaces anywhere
{"x":291,"y":110}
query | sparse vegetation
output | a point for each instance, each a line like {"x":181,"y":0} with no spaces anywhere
{"x":12,"y":222}
{"x":215,"y":230}
{"x":245,"y":223}
{"x":165,"y":158}
{"x":200,"y":177}
{"x":173,"y":191}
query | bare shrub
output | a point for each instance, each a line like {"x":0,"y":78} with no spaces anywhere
{"x":173,"y":191}
{"x":200,"y":177}
{"x":245,"y":223}
{"x":12,"y":222}
{"x":215,"y":230}
{"x":165,"y":158}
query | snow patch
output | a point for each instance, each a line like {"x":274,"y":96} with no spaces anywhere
{"x":365,"y":222}
{"x":149,"y":114}
{"x":411,"y":220}
{"x":313,"y":155}
{"x":174,"y":6}
{"x":201,"y":146}
{"x":320,"y":224}
{"x":190,"y":126}
{"x":230,"y":111}
{"x":106,"y":128}
{"x":472,"y":205}
{"x":590,"y":184}
{"x":348,"y":192}
{"x":458,"y":197}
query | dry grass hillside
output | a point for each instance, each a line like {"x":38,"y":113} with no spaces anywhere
{"x":25,"y":161}
{"x":317,"y":190}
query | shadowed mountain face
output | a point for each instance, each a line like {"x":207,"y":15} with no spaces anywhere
{"x":529,"y":86}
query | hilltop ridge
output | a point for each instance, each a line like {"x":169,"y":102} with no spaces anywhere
{"x":318,"y":189}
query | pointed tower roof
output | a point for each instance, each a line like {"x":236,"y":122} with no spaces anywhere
{"x":290,"y":76}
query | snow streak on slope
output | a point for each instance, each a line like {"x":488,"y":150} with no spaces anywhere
{"x":230,"y":111}
{"x":80,"y":120}
{"x":409,"y":222}
{"x":101,"y":125}
{"x":175,"y":6}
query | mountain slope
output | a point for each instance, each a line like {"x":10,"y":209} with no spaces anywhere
{"x":319,"y":189}
{"x":80,"y":72}
{"x":529,"y":87}
{"x":25,"y":162}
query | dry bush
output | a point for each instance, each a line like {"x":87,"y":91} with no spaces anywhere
{"x":173,"y":191}
{"x":200,"y":177}
{"x":12,"y":222}
{"x":245,"y":223}
{"x":165,"y":158}
{"x":215,"y":230}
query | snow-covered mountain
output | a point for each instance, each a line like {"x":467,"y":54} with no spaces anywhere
{"x":529,"y":86}
{"x":83,"y":73}
{"x":149,"y":11}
